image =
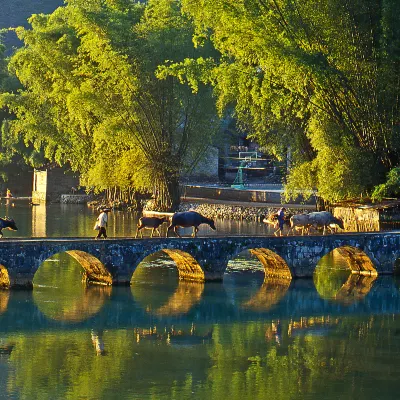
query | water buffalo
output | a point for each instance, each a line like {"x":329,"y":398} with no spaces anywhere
{"x":7,"y":223}
{"x":323,"y":219}
{"x":299,"y":222}
{"x":150,"y":223}
{"x":187,"y":219}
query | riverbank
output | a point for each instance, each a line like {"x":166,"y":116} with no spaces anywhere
{"x":233,"y":210}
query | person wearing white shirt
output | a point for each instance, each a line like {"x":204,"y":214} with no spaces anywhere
{"x":102,"y":221}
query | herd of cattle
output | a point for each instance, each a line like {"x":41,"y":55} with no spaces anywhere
{"x":295,"y":223}
{"x":304,"y":223}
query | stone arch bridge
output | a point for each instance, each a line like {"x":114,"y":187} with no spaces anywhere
{"x":113,"y":261}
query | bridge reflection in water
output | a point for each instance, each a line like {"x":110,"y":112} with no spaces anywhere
{"x":337,"y":276}
{"x":61,"y":292}
{"x":158,"y":274}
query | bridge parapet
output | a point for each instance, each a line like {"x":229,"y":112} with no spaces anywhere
{"x":209,"y":256}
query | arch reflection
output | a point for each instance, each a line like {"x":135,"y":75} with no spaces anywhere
{"x":61,"y":294}
{"x":270,"y":293}
{"x":265,"y":275}
{"x":4,"y":299}
{"x":336,"y":278}
{"x":156,"y":286}
{"x":4,"y":278}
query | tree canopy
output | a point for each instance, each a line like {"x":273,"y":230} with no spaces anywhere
{"x":92,"y":98}
{"x":320,"y":78}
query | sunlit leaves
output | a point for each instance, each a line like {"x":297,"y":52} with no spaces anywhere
{"x":287,"y":65}
{"x":93,"y":99}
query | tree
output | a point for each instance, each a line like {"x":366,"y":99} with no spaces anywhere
{"x":92,"y":97}
{"x":15,"y":157}
{"x":320,"y":77}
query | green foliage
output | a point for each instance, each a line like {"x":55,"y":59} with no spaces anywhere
{"x":92,"y":97}
{"x":316,"y":77}
{"x":390,"y":188}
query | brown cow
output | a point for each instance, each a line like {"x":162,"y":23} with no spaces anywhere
{"x":150,"y":223}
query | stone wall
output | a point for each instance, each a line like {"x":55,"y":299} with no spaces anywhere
{"x":207,"y":167}
{"x":75,"y":198}
{"x":50,"y":184}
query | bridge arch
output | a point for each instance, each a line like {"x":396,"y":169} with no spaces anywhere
{"x":274,"y":265}
{"x":95,"y":271}
{"x":357,"y":260}
{"x":4,"y":278}
{"x":345,"y":274}
{"x":158,"y":287}
{"x":272,"y":285}
{"x":187,"y":266}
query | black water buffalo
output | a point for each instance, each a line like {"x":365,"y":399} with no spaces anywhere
{"x":187,"y":219}
{"x":150,"y":223}
{"x":324,"y":219}
{"x":7,"y":223}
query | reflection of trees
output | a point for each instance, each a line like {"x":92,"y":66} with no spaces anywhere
{"x":65,"y":366}
{"x":270,"y":293}
{"x":71,"y":307}
{"x":238,"y":363}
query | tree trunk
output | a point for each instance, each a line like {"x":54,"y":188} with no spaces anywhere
{"x":167,"y":192}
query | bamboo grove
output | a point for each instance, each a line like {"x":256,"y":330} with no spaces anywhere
{"x":131,"y":94}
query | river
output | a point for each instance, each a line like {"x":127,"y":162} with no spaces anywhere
{"x":335,"y":336}
{"x":72,"y":220}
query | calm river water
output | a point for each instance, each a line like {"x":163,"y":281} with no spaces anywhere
{"x":71,"y":220}
{"x":331,"y":337}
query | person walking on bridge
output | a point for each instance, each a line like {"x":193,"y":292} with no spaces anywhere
{"x":280,"y":221}
{"x":101,"y":223}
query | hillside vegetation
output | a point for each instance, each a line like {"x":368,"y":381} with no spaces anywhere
{"x":16,"y":12}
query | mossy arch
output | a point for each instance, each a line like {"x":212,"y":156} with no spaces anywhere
{"x":188,"y":268}
{"x":95,"y":271}
{"x":275,"y":266}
